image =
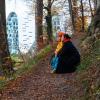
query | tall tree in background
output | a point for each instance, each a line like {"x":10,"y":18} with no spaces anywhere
{"x":94,"y":28}
{"x":75,"y":13}
{"x":5,"y":59}
{"x":49,"y":19}
{"x":91,"y":8}
{"x":39,"y":20}
{"x":82,"y":12}
{"x":71,"y":13}
{"x":95,"y":4}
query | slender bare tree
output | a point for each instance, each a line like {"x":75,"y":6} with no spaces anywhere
{"x":49,"y":19}
{"x":71,"y":13}
{"x":91,"y":8}
{"x":82,"y":12}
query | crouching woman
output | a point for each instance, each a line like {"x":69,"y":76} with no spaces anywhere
{"x":69,"y":56}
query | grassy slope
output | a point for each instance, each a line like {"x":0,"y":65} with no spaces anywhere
{"x":25,"y":67}
{"x":89,"y":73}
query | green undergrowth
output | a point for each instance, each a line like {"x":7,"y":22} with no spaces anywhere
{"x":89,"y":73}
{"x":93,"y":57}
{"x":25,"y":67}
{"x":2,"y":83}
{"x":32,"y":61}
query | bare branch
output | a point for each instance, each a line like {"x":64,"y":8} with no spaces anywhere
{"x":52,"y":2}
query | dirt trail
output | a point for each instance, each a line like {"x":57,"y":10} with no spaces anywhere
{"x":42,"y":85}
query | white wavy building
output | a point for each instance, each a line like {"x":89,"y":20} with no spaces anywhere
{"x":20,"y":25}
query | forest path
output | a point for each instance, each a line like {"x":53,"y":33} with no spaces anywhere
{"x":42,"y":85}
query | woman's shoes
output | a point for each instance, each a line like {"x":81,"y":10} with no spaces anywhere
{"x":53,"y":71}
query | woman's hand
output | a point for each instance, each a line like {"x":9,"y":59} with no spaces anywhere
{"x":55,"y":53}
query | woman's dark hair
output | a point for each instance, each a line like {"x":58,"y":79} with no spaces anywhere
{"x":67,"y":36}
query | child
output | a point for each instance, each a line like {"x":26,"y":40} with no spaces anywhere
{"x":60,"y":44}
{"x":54,"y":61}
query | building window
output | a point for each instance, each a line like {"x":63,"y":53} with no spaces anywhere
{"x":12,"y":31}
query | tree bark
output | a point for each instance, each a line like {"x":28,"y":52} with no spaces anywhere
{"x":91,"y":8}
{"x":95,"y":4}
{"x":39,"y":19}
{"x":82,"y":12}
{"x":39,"y":23}
{"x":5,"y":59}
{"x":49,"y":20}
{"x":98,"y":4}
{"x":94,"y":27}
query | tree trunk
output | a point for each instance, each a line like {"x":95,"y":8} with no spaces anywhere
{"x":49,"y":20}
{"x":82,"y":11}
{"x":5,"y":59}
{"x":39,"y":22}
{"x":98,"y":4}
{"x":94,"y":28}
{"x":71,"y":13}
{"x":93,"y":33}
{"x":95,"y":4}
{"x":91,"y":8}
